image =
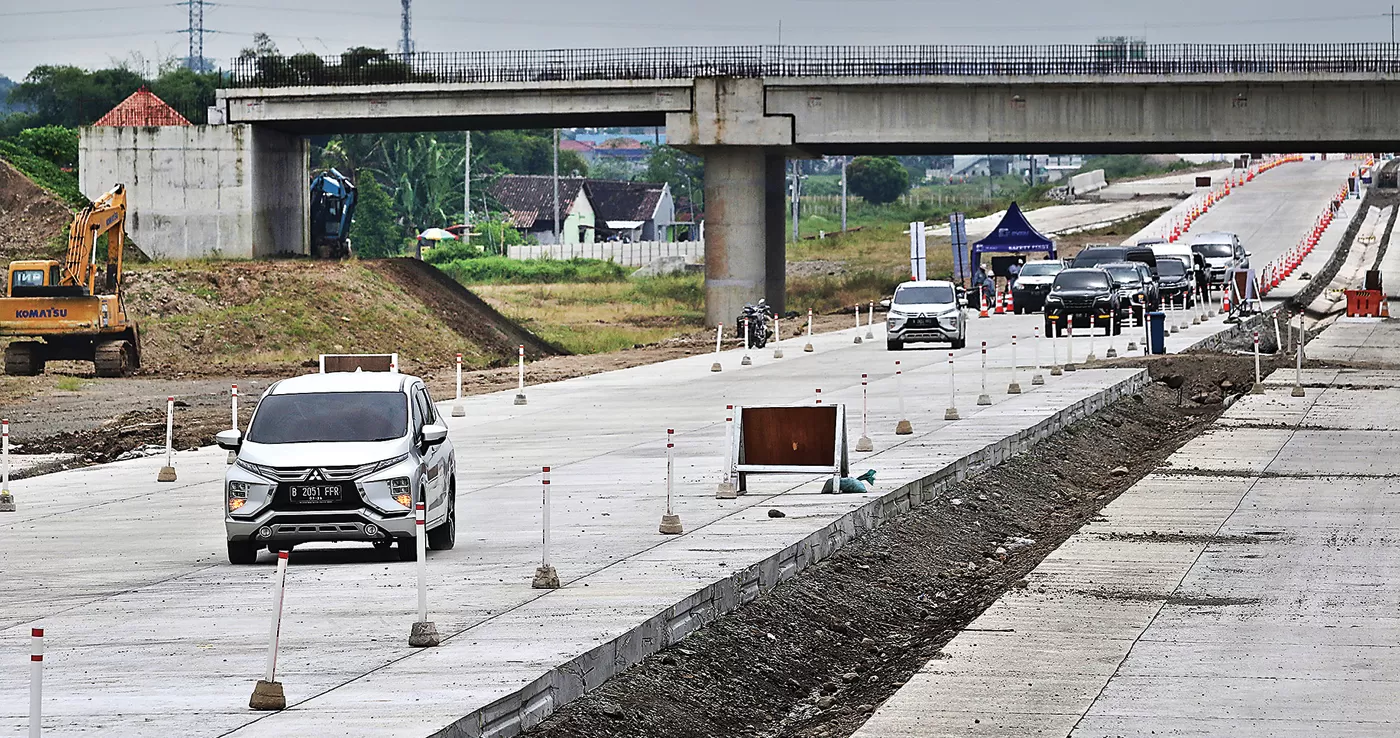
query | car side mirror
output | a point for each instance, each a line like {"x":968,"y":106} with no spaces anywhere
{"x":229,"y":440}
{"x":433,"y":434}
{"x":885,"y":303}
{"x":1248,"y":254}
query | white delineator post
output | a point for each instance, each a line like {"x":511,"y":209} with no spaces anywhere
{"x":233,"y":399}
{"x":1069,"y":346}
{"x":864,"y":443}
{"x":1113,"y":331}
{"x":1037,"y":378}
{"x":36,"y":682}
{"x":746,"y":361}
{"x":857,"y":323}
{"x":1258,"y":388}
{"x":1015,"y":387}
{"x":777,"y":337}
{"x":267,"y":693}
{"x":424,"y":633}
{"x":808,"y":348}
{"x":545,"y":576}
{"x":167,"y":472}
{"x":1298,"y":369}
{"x":869,"y":322}
{"x":1278,"y":336}
{"x":984,"y":398}
{"x":903,"y":427}
{"x":7,"y":500}
{"x":520,"y":391}
{"x":1055,"y":368}
{"x":1093,"y":329}
{"x":725,"y":490}
{"x":719,"y":338}
{"x":458,"y":410}
{"x":952,"y":412}
{"x":670,"y":522}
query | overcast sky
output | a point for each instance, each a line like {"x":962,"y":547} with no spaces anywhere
{"x":86,"y":33}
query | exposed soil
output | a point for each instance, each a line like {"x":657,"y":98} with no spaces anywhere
{"x":31,"y":220}
{"x":815,"y":656}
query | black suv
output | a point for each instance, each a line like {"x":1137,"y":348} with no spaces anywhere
{"x":1099,"y":255}
{"x":1137,"y":290}
{"x":1085,"y":296}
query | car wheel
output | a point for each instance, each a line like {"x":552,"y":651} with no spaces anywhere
{"x":408,"y":549}
{"x":383,"y":544}
{"x":894,"y":345}
{"x":960,"y":343}
{"x":444,"y":537}
{"x":243,"y":552}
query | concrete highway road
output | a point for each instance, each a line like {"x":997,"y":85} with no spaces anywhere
{"x":151,"y":633}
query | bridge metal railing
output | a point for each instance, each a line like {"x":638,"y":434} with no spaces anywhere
{"x":358,"y":67}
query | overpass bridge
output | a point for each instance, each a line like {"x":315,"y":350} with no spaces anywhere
{"x":746,"y":109}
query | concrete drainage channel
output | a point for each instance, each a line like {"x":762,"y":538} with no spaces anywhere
{"x":814,"y":657}
{"x":535,"y":701}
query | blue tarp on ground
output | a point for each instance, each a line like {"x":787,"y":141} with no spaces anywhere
{"x":1014,"y":235}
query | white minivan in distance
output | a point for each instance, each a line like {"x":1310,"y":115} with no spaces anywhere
{"x":925,"y":311}
{"x":340,"y":456}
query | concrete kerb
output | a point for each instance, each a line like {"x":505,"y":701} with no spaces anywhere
{"x":533,"y":702}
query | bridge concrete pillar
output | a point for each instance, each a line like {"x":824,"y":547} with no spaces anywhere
{"x":775,"y":232}
{"x":736,"y":230}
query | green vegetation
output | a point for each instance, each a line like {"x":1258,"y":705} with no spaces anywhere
{"x":877,"y":179}
{"x":69,"y":384}
{"x":376,"y":233}
{"x":1128,"y":166}
{"x":501,"y":270}
{"x":44,"y":173}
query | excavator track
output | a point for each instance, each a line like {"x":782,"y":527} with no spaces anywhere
{"x":113,"y":358}
{"x":24,"y":359}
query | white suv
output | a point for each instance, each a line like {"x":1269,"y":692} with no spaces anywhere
{"x":340,"y":457}
{"x":924,"y":311}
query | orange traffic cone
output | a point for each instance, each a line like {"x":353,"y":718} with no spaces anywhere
{"x":982,"y":310}
{"x":1385,"y":308}
{"x":999,"y":309}
{"x":1225,"y":299}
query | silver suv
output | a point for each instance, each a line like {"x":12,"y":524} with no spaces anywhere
{"x":340,"y":457}
{"x":925,"y":311}
{"x":1222,"y":252}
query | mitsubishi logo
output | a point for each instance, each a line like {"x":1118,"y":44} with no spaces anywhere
{"x":315,"y":476}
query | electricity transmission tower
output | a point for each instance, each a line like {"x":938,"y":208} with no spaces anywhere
{"x":406,"y":45}
{"x":195,"y":60}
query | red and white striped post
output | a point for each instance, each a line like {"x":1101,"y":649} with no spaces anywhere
{"x":808,"y":348}
{"x":233,"y":405}
{"x":36,"y":682}
{"x":1037,"y":378}
{"x":819,"y":395}
{"x":7,"y":500}
{"x":746,"y":361}
{"x":1015,"y":387}
{"x":725,"y":490}
{"x":670,"y":522}
{"x":520,"y":391}
{"x":984,"y":398}
{"x":458,"y":410}
{"x":167,"y":472}
{"x":903,"y":427}
{"x":267,"y":693}
{"x":545,"y":576}
{"x":952,"y":412}
{"x":864,"y":443}
{"x":424,"y":633}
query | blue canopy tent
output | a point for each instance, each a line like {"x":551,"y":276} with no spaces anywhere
{"x":1014,"y":235}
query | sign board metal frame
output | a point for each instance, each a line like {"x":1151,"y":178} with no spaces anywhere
{"x":739,"y":464}
{"x":365,"y":362}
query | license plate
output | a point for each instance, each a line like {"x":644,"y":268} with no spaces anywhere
{"x":313,"y":494}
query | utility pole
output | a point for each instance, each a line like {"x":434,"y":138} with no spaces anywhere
{"x":557,"y":229}
{"x":1392,"y":23}
{"x":467,"y":192}
{"x":406,"y":25}
{"x":844,"y":161}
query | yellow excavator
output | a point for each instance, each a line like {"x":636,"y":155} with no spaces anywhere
{"x":75,"y":308}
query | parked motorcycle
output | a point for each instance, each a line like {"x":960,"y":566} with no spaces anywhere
{"x":757,"y":317}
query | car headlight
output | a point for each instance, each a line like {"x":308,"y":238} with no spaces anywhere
{"x":385,"y":464}
{"x":1052,"y":298}
{"x":238,"y":494}
{"x":402,"y":491}
{"x":265,"y":472}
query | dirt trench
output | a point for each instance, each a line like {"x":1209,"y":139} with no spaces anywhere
{"x":813,"y":658}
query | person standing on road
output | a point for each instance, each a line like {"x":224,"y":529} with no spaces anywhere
{"x":1014,"y":271}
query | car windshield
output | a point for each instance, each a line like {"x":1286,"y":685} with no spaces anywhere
{"x":330,"y":417}
{"x":1093,"y":257}
{"x":1213,"y":250}
{"x":1041,"y":269}
{"x":935,"y":294}
{"x":1123,"y":273}
{"x":1170,"y":268}
{"x":1085,"y":280}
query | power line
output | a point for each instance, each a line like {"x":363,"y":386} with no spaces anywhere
{"x":103,"y":9}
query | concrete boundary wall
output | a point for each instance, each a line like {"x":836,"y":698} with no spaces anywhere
{"x":635,"y":254}
{"x":532,"y":703}
{"x":1087,"y":182}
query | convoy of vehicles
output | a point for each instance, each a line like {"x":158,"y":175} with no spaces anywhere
{"x":73,"y":310}
{"x":340,"y":456}
{"x":925,"y":311}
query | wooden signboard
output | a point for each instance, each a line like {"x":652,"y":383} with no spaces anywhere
{"x":788,"y":440}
